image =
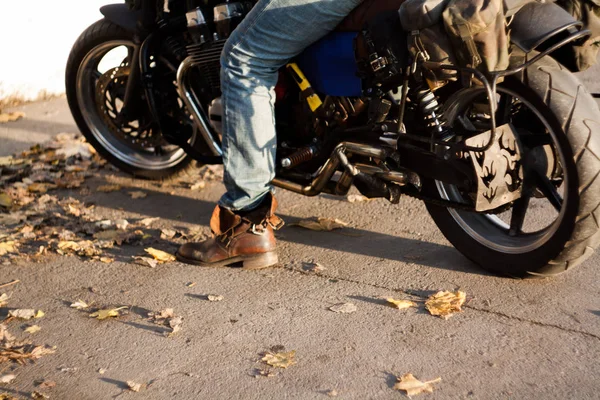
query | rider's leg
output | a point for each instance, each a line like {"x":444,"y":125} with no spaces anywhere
{"x":273,"y":33}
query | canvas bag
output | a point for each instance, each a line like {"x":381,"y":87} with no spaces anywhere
{"x":423,"y":19}
{"x":587,"y":11}
{"x":477,"y":29}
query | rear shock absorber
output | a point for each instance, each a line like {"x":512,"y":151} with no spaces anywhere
{"x":429,"y":106}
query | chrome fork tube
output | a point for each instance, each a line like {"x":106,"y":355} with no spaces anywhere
{"x":193,"y":105}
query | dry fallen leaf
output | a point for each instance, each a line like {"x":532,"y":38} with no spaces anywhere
{"x":413,"y":386}
{"x":167,"y":233}
{"x":3,"y":299}
{"x":108,"y":188}
{"x":11,"y":116}
{"x":159,"y":255}
{"x":313,"y":267}
{"x":198,"y":185}
{"x":322,"y":224}
{"x":101,"y":371}
{"x":280,"y":360}
{"x":33,"y":329}
{"x":26,"y":313}
{"x":5,"y":200}
{"x":445,"y":304}
{"x":6,"y":396}
{"x":138,"y":194}
{"x":357,"y":198}
{"x":215,"y":297}
{"x":108,"y":313}
{"x":80,"y":305}
{"x":134,"y":387}
{"x":46,"y":384}
{"x":401,"y":304}
{"x":189,"y":284}
{"x":148,"y":221}
{"x":258,"y":372}
{"x":146,"y":261}
{"x":39,"y":396}
{"x":8,"y":247}
{"x":332,"y":393}
{"x":7,"y":378}
{"x":343,"y":308}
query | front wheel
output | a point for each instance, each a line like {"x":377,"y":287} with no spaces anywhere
{"x":96,"y":78}
{"x":554,"y":226}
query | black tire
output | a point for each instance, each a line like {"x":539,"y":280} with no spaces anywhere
{"x":98,"y":33}
{"x":575,"y":117}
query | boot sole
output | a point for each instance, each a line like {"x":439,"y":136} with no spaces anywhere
{"x":250,"y":262}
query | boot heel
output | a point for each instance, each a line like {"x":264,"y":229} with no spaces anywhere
{"x":261,"y":261}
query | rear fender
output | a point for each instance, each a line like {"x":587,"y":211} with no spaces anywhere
{"x":537,"y":26}
{"x":121,"y":15}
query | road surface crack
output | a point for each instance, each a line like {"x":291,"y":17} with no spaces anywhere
{"x":420,"y":294}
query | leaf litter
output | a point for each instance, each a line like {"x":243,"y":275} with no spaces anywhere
{"x":343,"y":308}
{"x":107,"y":313}
{"x":400,"y":304}
{"x":167,"y":318}
{"x":280,"y":360}
{"x":412,"y":386}
{"x":322,"y":224}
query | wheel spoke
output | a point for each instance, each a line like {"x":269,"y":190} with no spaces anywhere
{"x":548,"y":189}
{"x":504,"y":109}
{"x":518,"y":213}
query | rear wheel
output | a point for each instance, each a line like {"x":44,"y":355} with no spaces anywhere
{"x":96,"y":78}
{"x":554,"y":226}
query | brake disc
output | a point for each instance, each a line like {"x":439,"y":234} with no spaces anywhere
{"x":110,"y":92}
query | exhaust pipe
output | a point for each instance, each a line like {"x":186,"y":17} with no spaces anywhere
{"x":339,"y":158}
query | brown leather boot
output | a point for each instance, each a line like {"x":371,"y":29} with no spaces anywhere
{"x":245,"y":237}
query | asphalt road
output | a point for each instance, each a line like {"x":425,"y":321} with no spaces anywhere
{"x":534,"y":339}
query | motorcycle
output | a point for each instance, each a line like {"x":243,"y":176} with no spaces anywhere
{"x":508,"y":168}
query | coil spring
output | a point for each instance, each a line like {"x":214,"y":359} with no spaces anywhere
{"x":429,"y":107}
{"x":300,"y":156}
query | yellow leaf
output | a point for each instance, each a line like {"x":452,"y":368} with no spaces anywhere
{"x":401,"y":304}
{"x":108,"y":188}
{"x":10,"y":117}
{"x":39,"y":314}
{"x":3,"y":299}
{"x":159,"y":255}
{"x":8,"y":247}
{"x":104,"y":314}
{"x":280,"y":360}
{"x":80,"y":305}
{"x":413,"y":386}
{"x":445,"y":304}
{"x":5,"y":200}
{"x":33,"y":329}
{"x":138,"y":194}
{"x":322,"y":224}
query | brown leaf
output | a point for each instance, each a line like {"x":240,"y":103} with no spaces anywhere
{"x":401,"y":304}
{"x":280,"y":360}
{"x":108,"y":188}
{"x":138,"y":194}
{"x":343,"y":308}
{"x":445,"y":304}
{"x":11,"y":116}
{"x":148,"y":221}
{"x":322,"y":224}
{"x":108,"y":313}
{"x":46,"y":384}
{"x":159,"y":255}
{"x":115,"y":236}
{"x":134,"y":387}
{"x":413,"y":386}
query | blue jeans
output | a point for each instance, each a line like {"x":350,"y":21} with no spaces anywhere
{"x":274,"y":32}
